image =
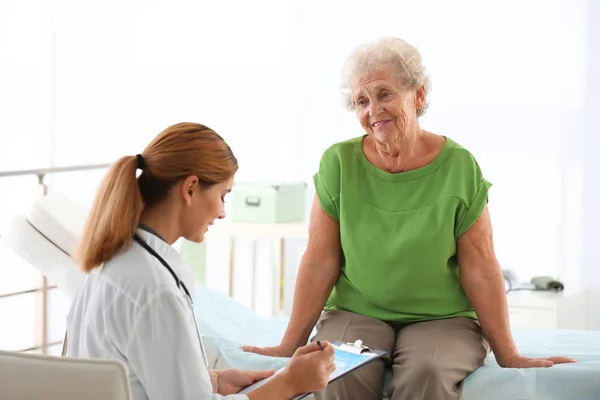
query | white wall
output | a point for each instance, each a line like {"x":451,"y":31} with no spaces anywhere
{"x":589,"y":143}
{"x":26,"y":97}
{"x":128,"y":69}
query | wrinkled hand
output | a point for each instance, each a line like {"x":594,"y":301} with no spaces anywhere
{"x":274,"y":351}
{"x":231,"y":381}
{"x":515,"y":360}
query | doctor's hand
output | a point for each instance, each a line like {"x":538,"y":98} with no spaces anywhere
{"x":231,"y":381}
{"x":309,"y":368}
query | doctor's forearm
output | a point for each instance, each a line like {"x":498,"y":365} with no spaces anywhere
{"x":277,"y":388}
{"x":487,"y":294}
{"x":313,"y":285}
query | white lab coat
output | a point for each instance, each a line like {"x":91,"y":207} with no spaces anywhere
{"x":131,"y":310}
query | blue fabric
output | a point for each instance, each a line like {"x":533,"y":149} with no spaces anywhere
{"x":560,"y":382}
{"x":226,"y":325}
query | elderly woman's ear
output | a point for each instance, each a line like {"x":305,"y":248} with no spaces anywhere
{"x":420,"y":98}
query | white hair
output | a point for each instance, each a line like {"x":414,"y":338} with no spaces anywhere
{"x":404,"y":59}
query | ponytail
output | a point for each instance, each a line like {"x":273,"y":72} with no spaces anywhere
{"x":114,"y":216}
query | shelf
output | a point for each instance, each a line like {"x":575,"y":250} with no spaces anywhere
{"x":298,"y":230}
{"x":534,"y":299}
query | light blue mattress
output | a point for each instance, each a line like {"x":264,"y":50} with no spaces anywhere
{"x":226,"y":325}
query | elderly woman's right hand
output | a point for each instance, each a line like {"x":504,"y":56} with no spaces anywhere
{"x":309,"y":368}
{"x":274,"y":351}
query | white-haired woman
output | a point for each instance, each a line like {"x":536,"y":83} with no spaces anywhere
{"x":400,"y":253}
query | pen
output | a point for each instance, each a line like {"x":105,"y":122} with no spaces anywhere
{"x":320,"y":345}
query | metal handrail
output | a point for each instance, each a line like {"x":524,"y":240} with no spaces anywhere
{"x":40,"y":347}
{"x":45,"y":171}
{"x":35,"y":290}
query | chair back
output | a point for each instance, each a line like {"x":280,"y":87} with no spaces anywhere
{"x":32,"y":377}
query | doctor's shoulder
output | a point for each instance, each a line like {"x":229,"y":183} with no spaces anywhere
{"x":135,"y":273}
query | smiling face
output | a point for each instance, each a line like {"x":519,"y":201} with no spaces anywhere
{"x":202,"y":207}
{"x":386,"y":110}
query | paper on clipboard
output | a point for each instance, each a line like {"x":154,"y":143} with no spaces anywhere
{"x":348,"y":357}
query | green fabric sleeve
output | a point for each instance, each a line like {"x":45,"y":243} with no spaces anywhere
{"x":325,"y":198}
{"x":475,"y":208}
{"x":327,"y":182}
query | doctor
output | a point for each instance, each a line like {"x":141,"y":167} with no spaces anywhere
{"x":134,"y":306}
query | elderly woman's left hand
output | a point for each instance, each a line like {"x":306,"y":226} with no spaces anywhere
{"x":516,"y":360}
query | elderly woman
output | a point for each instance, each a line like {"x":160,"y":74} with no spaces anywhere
{"x":400,"y":251}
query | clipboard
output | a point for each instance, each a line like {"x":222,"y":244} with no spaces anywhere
{"x":348,"y":357}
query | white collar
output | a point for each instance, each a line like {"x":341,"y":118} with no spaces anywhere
{"x":171,"y":256}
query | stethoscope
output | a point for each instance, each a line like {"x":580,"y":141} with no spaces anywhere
{"x":180,"y":285}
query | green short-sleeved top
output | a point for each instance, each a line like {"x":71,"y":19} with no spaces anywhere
{"x":399,"y":231}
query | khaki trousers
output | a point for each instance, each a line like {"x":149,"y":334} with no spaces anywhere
{"x":429,"y":359}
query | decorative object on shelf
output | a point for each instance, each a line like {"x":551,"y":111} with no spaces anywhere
{"x":268,"y":203}
{"x":537,"y":283}
{"x":547,"y":283}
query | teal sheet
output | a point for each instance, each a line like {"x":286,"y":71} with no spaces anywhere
{"x":226,"y":325}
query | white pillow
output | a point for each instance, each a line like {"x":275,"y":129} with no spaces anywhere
{"x":59,"y":219}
